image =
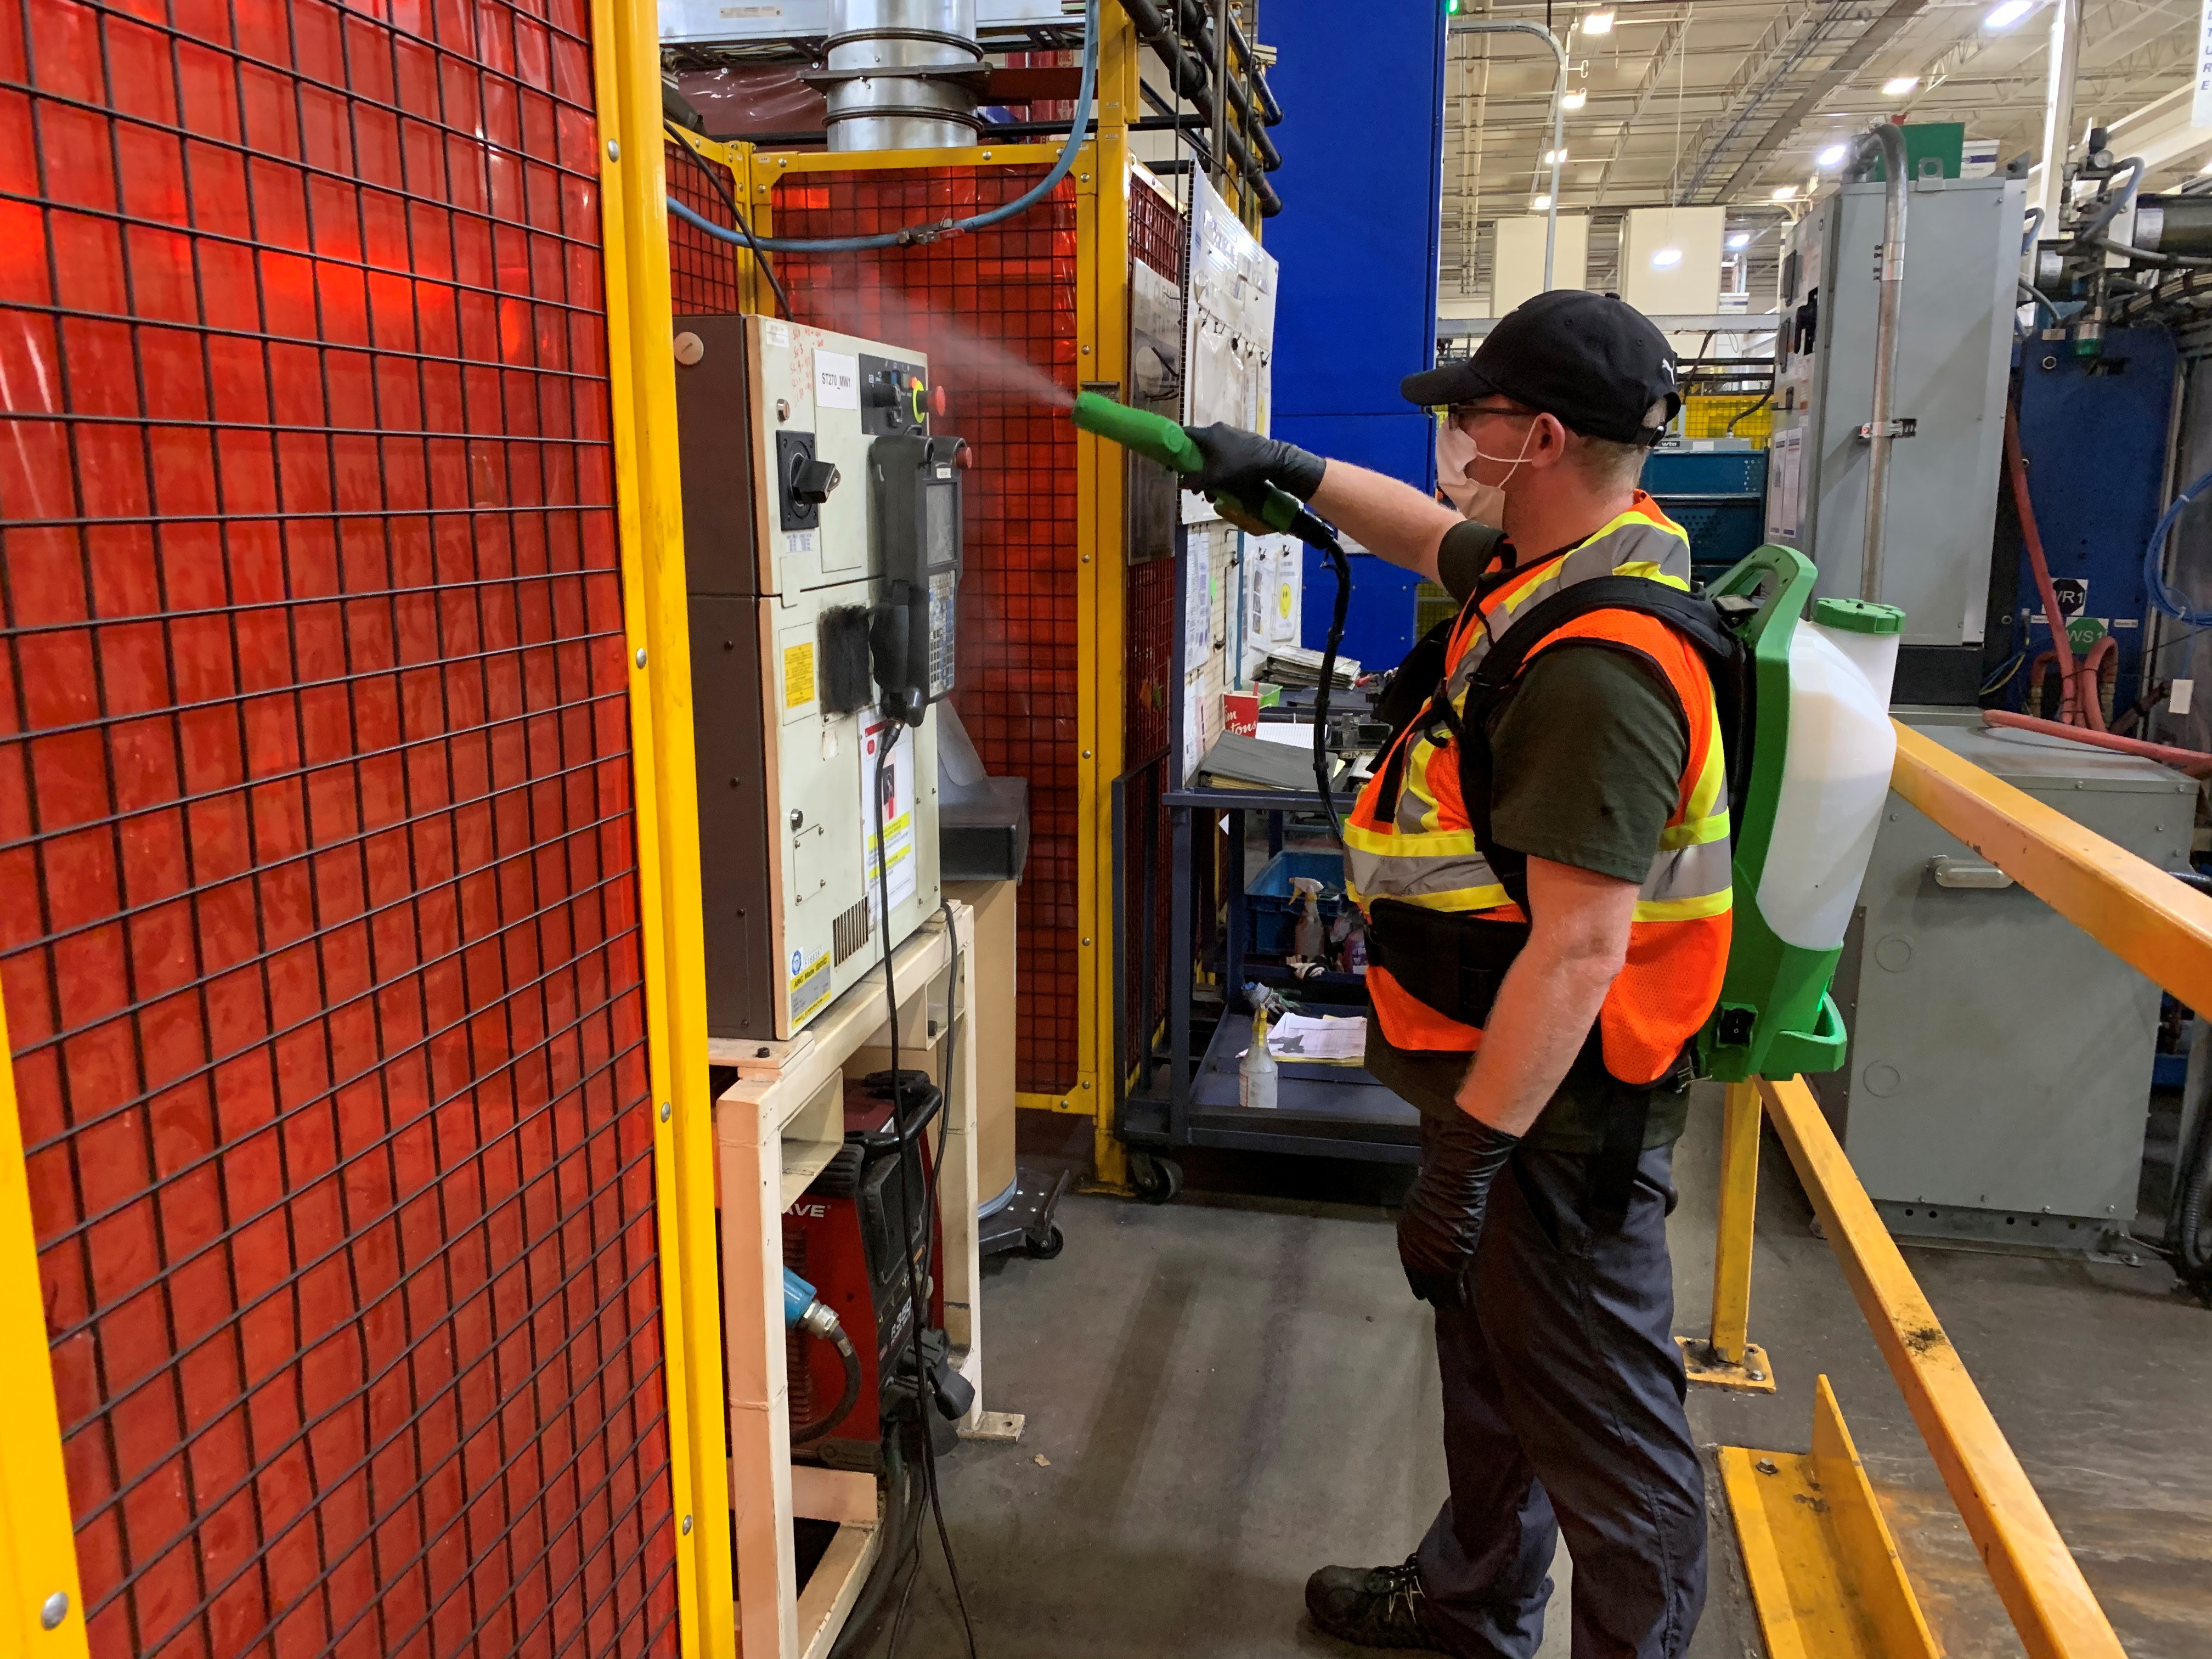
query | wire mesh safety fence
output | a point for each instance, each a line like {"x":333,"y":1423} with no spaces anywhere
{"x":318,"y":924}
{"x":995,"y":311}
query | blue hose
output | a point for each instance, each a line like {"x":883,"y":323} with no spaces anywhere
{"x":2154,"y":583}
{"x":929,"y":232}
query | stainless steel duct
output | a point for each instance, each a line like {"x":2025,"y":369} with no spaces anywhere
{"x":901,"y":74}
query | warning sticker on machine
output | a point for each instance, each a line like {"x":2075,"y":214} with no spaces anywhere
{"x":810,"y":988}
{"x":798,"y":674}
{"x":897,"y":808}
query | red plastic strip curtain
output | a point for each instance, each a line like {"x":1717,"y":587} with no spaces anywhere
{"x":994,"y":310}
{"x":318,"y":921}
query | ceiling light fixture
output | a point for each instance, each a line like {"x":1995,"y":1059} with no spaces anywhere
{"x":1600,"y":23}
{"x":1665,"y":257}
{"x":1742,"y":238}
{"x":1785,"y":193}
{"x":1551,"y":155}
{"x":2004,"y":15}
{"x":1832,"y":156}
{"x":1574,"y":100}
{"x":1900,"y":85}
{"x":1539,"y":204}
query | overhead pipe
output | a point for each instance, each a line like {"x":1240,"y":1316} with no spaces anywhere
{"x":1517,"y":26}
{"x":1879,"y":431}
{"x":1202,"y":31}
{"x":1189,"y":76}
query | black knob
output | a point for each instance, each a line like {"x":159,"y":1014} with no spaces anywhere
{"x":812,"y":480}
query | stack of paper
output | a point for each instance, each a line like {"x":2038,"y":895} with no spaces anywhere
{"x":1293,"y":665}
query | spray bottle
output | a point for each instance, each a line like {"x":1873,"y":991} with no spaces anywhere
{"x":1257,"y":1076}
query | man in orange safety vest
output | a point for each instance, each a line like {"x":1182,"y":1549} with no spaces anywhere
{"x":1542,"y":859}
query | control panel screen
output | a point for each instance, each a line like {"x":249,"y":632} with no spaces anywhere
{"x":939,"y":507}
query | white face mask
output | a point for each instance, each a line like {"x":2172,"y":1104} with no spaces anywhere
{"x":1456,"y":450}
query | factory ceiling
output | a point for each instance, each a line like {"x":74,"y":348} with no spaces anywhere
{"x":1729,"y":101}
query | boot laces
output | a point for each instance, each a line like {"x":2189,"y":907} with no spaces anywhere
{"x":1400,"y":1586}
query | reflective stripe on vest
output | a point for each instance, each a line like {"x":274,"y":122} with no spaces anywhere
{"x":1421,"y":849}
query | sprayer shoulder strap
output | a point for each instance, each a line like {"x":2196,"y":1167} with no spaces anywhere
{"x":1695,"y":617}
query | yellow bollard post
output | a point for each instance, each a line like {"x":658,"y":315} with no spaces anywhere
{"x":1729,"y":1359}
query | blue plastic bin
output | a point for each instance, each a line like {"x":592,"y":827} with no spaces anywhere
{"x":1270,"y":908}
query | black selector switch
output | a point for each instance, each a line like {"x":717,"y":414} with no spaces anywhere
{"x":803,"y":481}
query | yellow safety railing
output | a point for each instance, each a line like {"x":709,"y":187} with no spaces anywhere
{"x":2156,"y":925}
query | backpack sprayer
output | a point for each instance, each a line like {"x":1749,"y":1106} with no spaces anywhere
{"x":1810,"y":748}
{"x":1157,"y":438}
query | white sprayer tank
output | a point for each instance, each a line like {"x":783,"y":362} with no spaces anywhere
{"x":1835,"y":776}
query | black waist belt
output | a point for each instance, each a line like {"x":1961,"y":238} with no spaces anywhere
{"x":1448,"y":961}
{"x":1453,"y":963}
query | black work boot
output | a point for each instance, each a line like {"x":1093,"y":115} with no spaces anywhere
{"x":1372,"y":1607}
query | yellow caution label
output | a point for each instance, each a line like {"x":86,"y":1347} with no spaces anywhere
{"x":810,"y":988}
{"x":798,"y":675}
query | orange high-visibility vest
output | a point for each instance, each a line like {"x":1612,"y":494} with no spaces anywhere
{"x":1420,"y":848}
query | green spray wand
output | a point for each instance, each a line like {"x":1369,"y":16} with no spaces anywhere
{"x":1158,"y":438}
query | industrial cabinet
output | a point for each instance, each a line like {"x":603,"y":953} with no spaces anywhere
{"x":2000,"y":1068}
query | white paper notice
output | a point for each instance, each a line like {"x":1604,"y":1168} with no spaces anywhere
{"x":1306,"y":1036}
{"x":898,"y":814}
{"x":837,"y":380}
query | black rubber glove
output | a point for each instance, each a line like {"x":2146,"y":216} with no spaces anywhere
{"x":1441,"y":1222}
{"x":1241,"y":464}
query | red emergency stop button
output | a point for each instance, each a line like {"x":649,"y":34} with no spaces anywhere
{"x":937,"y":400}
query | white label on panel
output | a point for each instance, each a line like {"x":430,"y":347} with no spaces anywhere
{"x":837,"y":380}
{"x":777,"y":334}
{"x":897,"y":813}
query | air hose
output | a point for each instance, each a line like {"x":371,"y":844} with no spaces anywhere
{"x":929,"y":233}
{"x":803,"y":1311}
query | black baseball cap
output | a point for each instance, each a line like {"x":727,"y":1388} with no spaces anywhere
{"x":1593,"y":360}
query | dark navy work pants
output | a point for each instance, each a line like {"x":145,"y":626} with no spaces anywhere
{"x":1563,"y":1413}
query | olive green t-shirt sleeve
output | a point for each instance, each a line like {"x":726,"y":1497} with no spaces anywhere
{"x":1587,"y":756}
{"x":1464,"y":554}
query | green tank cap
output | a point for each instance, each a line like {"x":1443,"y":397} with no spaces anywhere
{"x":1858,"y":616}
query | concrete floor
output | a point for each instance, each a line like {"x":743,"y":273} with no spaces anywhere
{"x":1227,"y":1392}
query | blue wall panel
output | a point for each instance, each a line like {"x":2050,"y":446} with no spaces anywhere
{"x":1362,"y":183}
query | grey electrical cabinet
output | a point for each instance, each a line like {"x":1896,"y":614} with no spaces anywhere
{"x":1961,"y":266}
{"x":1999,"y":1074}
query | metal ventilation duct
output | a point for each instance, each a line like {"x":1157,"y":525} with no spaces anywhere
{"x":901,"y":74}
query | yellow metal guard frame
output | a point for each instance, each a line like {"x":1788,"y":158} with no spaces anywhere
{"x":648,"y":495}
{"x":38,"y":1538}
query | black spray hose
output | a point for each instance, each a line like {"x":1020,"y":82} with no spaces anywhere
{"x":821,"y":1426}
{"x":1341,"y":568}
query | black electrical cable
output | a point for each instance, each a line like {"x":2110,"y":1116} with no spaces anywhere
{"x":721,"y":188}
{"x":1765,"y":398}
{"x":1341,"y":568}
{"x":909,"y":1154}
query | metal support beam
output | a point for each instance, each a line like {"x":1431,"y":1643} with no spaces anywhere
{"x":1870,"y":39}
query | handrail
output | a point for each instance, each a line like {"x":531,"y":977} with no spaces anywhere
{"x":2155,"y":924}
{"x":2035,"y":1574}
{"x":2137,"y":911}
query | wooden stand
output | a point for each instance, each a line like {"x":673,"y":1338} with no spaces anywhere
{"x":774,"y":1129}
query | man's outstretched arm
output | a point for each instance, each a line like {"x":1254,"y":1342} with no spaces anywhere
{"x":1391,"y":520}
